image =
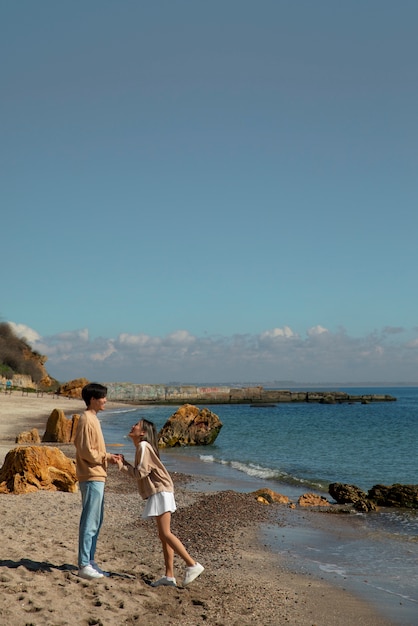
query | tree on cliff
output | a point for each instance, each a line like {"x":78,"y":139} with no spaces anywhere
{"x":17,"y":357}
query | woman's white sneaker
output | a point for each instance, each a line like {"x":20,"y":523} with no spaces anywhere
{"x":192,"y":573}
{"x":165,"y":582}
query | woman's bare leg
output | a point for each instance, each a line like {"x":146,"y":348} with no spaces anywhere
{"x":168,"y":558}
{"x":171,"y":544}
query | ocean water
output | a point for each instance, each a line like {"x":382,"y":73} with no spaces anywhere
{"x":295,"y":448}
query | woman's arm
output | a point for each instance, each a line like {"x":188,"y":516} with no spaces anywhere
{"x":142,"y":468}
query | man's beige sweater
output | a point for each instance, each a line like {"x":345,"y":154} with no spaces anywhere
{"x":91,"y":456}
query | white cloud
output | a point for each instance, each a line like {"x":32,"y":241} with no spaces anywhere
{"x":286,"y":332}
{"x":75,"y":335}
{"x":104,"y":354}
{"x":275,"y":354}
{"x":134,"y":340}
{"x":316,"y":330}
{"x":375,"y":351}
{"x":25,"y":332}
{"x":181,"y":337}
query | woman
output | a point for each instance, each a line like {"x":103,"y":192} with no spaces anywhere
{"x":156,"y":487}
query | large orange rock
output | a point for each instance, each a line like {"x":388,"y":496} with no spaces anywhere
{"x":32,"y":468}
{"x":73,"y":388}
{"x":190,"y":426}
{"x":59,"y":429}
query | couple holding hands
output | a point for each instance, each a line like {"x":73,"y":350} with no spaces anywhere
{"x":154,"y":485}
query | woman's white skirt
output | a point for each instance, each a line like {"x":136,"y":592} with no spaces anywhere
{"x":159,"y":503}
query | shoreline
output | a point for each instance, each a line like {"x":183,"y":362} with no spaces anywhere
{"x":244,"y":582}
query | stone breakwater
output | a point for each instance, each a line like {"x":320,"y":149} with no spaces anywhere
{"x":257,"y":396}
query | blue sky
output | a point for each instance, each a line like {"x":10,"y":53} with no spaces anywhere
{"x":211,"y":192}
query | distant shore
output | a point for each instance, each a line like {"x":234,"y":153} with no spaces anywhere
{"x":243,"y":582}
{"x":133,"y":393}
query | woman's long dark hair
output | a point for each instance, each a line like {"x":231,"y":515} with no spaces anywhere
{"x":150,"y":435}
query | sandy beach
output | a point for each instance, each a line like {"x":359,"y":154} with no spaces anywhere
{"x":243,"y":583}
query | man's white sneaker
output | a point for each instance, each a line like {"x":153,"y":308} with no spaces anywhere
{"x":99,"y":569}
{"x":89,"y":573}
{"x":192,"y":573}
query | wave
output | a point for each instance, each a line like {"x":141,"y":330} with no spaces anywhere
{"x":110,"y":412}
{"x":265,"y":473}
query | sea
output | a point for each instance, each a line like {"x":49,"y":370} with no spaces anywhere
{"x":295,"y":448}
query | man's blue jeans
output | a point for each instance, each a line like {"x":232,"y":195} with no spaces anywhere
{"x":92,"y":499}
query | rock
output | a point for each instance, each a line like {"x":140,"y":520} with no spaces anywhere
{"x":29,"y":436}
{"x":262,"y":500}
{"x":346,"y":494}
{"x":311,"y":499}
{"x":46,"y":383}
{"x":32,"y":468}
{"x":269,"y":496}
{"x":403,"y":496}
{"x":364,"y":506}
{"x":73,"y":388}
{"x":190,"y":426}
{"x":59,"y":429}
{"x":328,"y":399}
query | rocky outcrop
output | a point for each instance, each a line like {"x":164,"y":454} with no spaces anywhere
{"x":59,"y":429}
{"x":268,"y":496}
{"x":365,"y":506}
{"x":346,"y":494}
{"x":28,"y":436}
{"x":73,"y":388}
{"x":311,"y":499}
{"x":350,"y":494}
{"x":190,"y":426}
{"x":401,"y":496}
{"x":32,"y":468}
{"x":343,"y":493}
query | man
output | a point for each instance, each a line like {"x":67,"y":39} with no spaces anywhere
{"x":91,"y":466}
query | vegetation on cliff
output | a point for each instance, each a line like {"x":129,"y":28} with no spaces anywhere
{"x":17,"y":357}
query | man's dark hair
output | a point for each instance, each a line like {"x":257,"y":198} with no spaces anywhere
{"x":93,"y":390}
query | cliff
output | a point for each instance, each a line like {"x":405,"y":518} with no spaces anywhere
{"x":20,"y":364}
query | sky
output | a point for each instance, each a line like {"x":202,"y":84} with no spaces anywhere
{"x":213,"y":192}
